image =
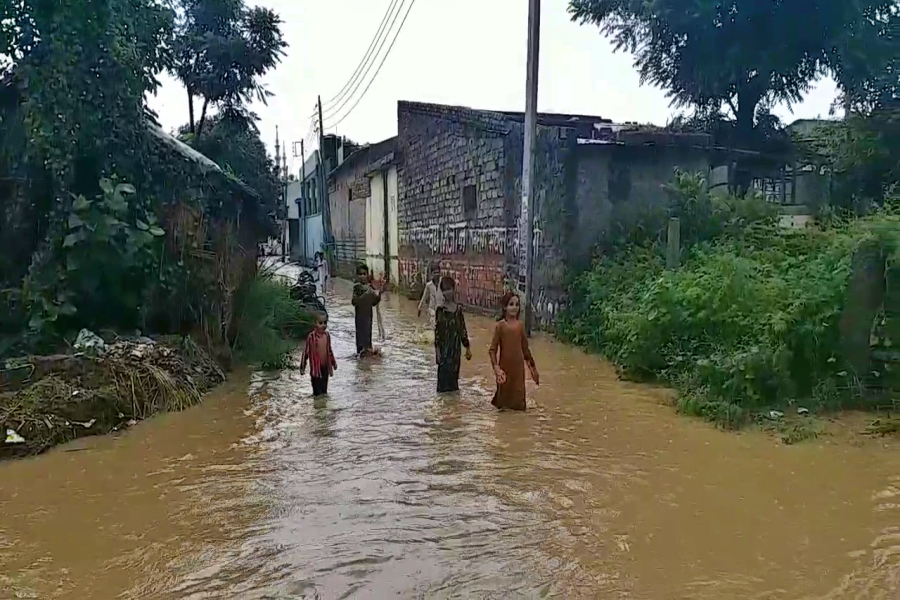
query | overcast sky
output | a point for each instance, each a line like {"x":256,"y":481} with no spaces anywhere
{"x":464,"y":52}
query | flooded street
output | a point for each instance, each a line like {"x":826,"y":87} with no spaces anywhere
{"x":388,"y":490}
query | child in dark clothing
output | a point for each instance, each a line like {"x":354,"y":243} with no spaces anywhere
{"x":450,"y":336}
{"x":320,"y":356}
{"x":365,"y":298}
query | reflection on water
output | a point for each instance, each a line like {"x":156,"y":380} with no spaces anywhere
{"x":386,"y":489}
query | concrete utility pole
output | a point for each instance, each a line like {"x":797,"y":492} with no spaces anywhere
{"x":323,"y":179}
{"x":302,"y":161}
{"x":284,"y":229}
{"x":526,"y":218}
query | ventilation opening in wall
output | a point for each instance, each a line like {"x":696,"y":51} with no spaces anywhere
{"x":470,"y":200}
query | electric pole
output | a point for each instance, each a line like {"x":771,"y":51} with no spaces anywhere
{"x":302,"y":162}
{"x":284,"y":229}
{"x":323,"y":179}
{"x":526,"y":218}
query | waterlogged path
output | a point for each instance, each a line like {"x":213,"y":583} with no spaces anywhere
{"x":386,"y":490}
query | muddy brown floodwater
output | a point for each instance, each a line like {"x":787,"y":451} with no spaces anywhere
{"x":387,"y":490}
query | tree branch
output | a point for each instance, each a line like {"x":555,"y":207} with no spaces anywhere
{"x":191,"y":108}
{"x":202,"y":117}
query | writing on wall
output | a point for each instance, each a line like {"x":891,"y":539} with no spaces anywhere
{"x":458,"y":238}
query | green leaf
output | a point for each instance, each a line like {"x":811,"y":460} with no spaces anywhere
{"x":157,"y":232}
{"x":73,"y":238}
{"x":67,"y":309}
{"x":75,"y":221}
{"x":36,"y":323}
{"x":81,"y":203}
{"x":141,"y":225}
{"x":125,"y":188}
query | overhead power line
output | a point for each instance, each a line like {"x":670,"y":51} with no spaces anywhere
{"x":349,"y":96}
{"x":365,"y":59}
{"x":378,"y":70}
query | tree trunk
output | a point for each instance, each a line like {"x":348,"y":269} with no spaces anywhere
{"x":191,"y":109}
{"x":202,"y":117}
{"x":744,"y":128}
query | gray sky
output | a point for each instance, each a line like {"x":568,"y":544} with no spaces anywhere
{"x":466,"y":52}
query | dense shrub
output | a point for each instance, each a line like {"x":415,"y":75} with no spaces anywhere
{"x":749,"y":320}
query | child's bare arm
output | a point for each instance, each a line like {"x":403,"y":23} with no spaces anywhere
{"x":331,"y":354}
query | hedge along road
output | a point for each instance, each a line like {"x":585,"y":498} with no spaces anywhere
{"x":386,"y":490}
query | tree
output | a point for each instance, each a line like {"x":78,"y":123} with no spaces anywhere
{"x":221,"y":50}
{"x":71,"y":113}
{"x":232,"y":141}
{"x":738,"y":56}
{"x":866,"y":59}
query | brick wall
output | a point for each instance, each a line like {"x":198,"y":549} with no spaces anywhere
{"x":453,"y":193}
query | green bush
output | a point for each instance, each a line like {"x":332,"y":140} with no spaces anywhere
{"x":269,"y":322}
{"x":748,"y":322}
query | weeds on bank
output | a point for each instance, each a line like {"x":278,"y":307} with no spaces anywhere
{"x":749,"y":321}
{"x":270,"y":322}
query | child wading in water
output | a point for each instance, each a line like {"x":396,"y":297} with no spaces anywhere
{"x":365,"y":298}
{"x":509,"y":368}
{"x":432,"y":297}
{"x":322,"y":269}
{"x":320,"y":356}
{"x":450,"y":336}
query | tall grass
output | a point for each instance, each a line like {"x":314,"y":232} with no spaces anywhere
{"x":269,"y":322}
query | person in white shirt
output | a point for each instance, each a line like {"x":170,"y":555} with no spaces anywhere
{"x":432,"y":295}
{"x":321,"y":265}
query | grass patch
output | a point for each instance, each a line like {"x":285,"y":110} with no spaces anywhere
{"x":269,"y":322}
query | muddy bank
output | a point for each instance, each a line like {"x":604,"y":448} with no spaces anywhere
{"x":50,"y":400}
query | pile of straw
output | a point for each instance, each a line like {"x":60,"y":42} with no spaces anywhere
{"x":54,"y":399}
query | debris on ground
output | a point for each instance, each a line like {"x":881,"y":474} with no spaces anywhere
{"x":49,"y":400}
{"x":89,"y":343}
{"x":885,"y":426}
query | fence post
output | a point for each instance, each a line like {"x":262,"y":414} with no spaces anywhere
{"x":673,"y":243}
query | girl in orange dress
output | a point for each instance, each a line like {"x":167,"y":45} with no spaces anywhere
{"x":509,"y":367}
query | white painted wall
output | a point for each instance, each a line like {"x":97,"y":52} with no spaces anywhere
{"x":315,"y":235}
{"x":375,"y":227}
{"x":293,"y":193}
{"x":393,"y":225}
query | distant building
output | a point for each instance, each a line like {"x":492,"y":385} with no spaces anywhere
{"x":362,"y":193}
{"x":305,"y":232}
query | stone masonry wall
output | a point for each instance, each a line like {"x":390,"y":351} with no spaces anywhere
{"x":447,"y":150}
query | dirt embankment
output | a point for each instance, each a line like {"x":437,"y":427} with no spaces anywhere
{"x":50,"y":400}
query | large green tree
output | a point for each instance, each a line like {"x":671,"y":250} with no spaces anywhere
{"x":222,"y":48}
{"x":743,"y":56}
{"x":75,"y":73}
